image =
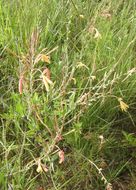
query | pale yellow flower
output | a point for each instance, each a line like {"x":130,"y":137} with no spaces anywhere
{"x":39,"y":168}
{"x":44,"y":79}
{"x":94,"y":31}
{"x":47,"y":82}
{"x":93,"y":77}
{"x":101,"y":137}
{"x":45,"y":58}
{"x":81,"y":16}
{"x":123,"y":105}
{"x":74,"y":80}
{"x":97,"y":34}
{"x":80,"y":64}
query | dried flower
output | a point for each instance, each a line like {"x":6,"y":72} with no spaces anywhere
{"x":106,"y":14}
{"x":44,"y":167}
{"x":109,"y":186}
{"x":20,"y":87}
{"x":61,"y":156}
{"x":83,"y":99}
{"x":47,"y":73}
{"x":58,"y":137}
{"x":41,"y":167}
{"x":123,"y":105}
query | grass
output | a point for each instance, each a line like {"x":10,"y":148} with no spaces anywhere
{"x":80,"y":112}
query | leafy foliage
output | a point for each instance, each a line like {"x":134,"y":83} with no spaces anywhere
{"x":67,"y":104}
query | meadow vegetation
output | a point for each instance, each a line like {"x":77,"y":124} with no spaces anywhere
{"x":68,"y":94}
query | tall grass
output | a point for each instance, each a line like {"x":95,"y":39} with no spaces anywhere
{"x":83,"y":115}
